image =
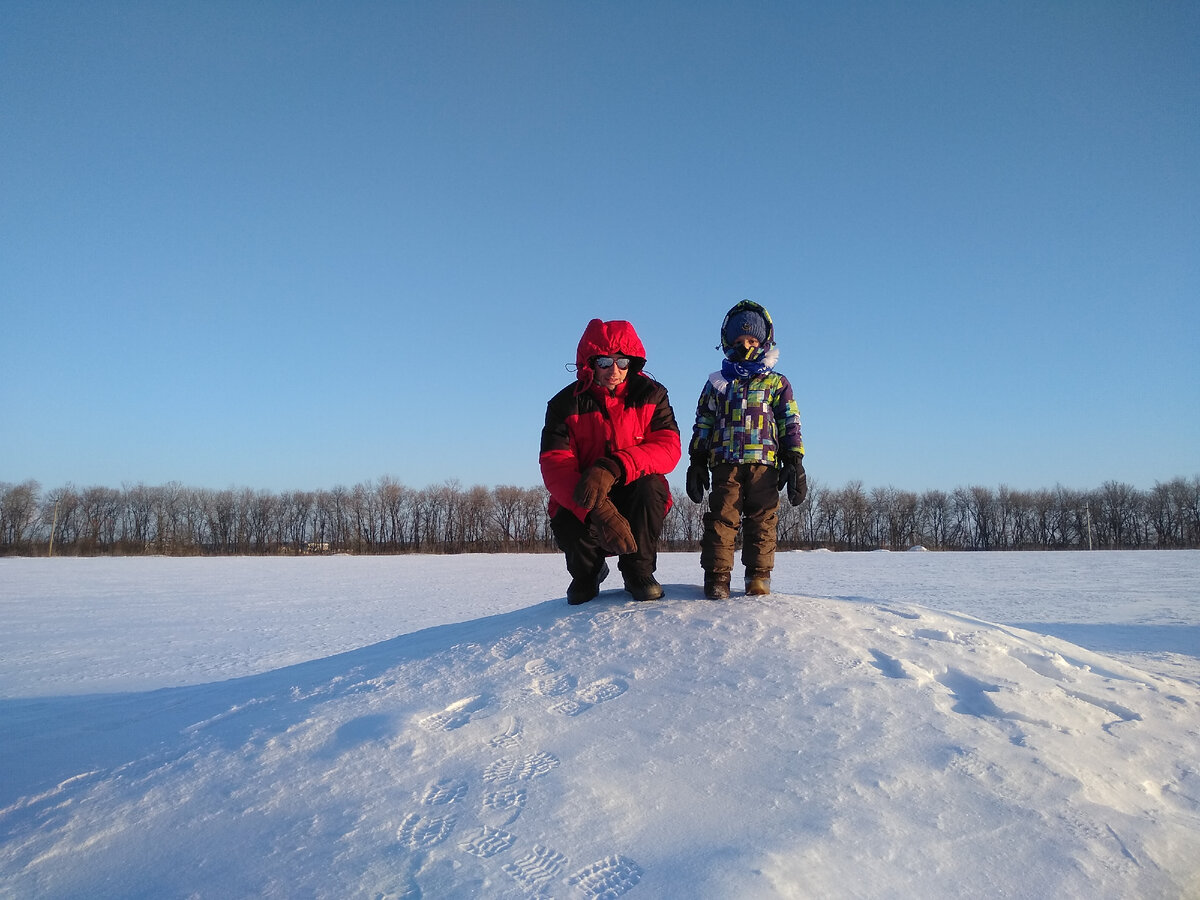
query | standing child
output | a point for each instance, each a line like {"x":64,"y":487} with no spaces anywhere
{"x":747,"y":433}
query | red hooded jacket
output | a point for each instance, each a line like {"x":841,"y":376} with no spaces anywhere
{"x":633,"y":424}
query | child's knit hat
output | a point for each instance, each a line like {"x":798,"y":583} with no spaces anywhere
{"x":746,"y":322}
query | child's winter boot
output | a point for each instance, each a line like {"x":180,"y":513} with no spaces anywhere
{"x":758,"y":582}
{"x":716,"y":585}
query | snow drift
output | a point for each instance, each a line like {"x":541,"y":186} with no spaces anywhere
{"x":788,"y":746}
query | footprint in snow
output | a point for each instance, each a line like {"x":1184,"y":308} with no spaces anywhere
{"x":510,"y":737}
{"x":603,"y":690}
{"x":537,"y":868}
{"x":607,"y":878}
{"x":485,"y":842}
{"x":588,"y":696}
{"x":570,"y":707}
{"x":505,"y":795}
{"x":511,"y":645}
{"x":554,"y":685}
{"x":444,"y":791}
{"x":511,"y":771}
{"x":455,"y":715}
{"x":418,"y":832}
{"x":504,"y":805}
{"x":541,"y":667}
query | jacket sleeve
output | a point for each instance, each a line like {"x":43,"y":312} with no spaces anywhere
{"x":706,"y":421}
{"x":658,"y":451}
{"x":558,"y":459}
{"x":787,"y":419}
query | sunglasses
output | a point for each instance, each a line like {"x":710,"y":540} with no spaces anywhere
{"x":606,"y":362}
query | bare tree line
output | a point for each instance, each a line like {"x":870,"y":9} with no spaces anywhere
{"x":386,"y":516}
{"x":1113,"y":516}
{"x":378,"y":517}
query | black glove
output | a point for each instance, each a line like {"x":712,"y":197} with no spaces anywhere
{"x":596,"y":481}
{"x":697,"y":480}
{"x":792,"y":476}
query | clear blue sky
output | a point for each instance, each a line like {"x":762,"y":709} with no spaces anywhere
{"x":298,"y":245}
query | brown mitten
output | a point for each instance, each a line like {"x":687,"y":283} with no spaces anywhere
{"x":610,"y":529}
{"x":596,"y":481}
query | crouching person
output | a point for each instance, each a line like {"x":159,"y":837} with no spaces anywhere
{"x":609,"y":441}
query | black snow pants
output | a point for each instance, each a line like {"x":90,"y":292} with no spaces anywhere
{"x":644,"y":503}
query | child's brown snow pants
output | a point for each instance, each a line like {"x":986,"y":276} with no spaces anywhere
{"x":747,"y":494}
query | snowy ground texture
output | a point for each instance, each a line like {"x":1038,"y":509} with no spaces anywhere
{"x":445,"y":727}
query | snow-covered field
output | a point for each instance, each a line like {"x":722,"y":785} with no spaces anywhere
{"x":447,"y":727}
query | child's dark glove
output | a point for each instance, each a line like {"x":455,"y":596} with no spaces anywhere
{"x":697,"y":480}
{"x":610,"y":529}
{"x":793,"y":477}
{"x":596,"y":481}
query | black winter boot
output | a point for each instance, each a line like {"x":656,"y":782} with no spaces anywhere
{"x":643,"y":587}
{"x":582,"y":590}
{"x":716,"y":585}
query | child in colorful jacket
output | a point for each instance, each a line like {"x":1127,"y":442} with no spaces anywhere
{"x":747,"y":434}
{"x":609,"y":441}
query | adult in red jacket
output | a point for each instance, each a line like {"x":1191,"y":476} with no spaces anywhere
{"x":609,"y":441}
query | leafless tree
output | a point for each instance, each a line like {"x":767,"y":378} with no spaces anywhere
{"x":392,"y":511}
{"x":933,"y":516}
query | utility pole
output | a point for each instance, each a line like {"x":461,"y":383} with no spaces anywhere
{"x":1088,"y":508}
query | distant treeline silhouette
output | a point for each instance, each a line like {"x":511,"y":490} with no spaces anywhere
{"x":385,"y":516}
